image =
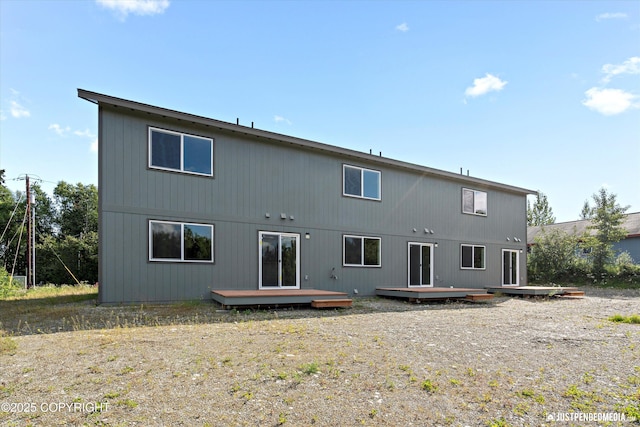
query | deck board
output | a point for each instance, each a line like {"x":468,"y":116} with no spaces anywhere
{"x":271,"y":297}
{"x":428,"y":293}
{"x":534,"y":290}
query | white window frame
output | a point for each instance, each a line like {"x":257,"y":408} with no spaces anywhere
{"x":362,"y":170}
{"x":181,"y":135}
{"x":475,"y":209}
{"x":362,"y":254}
{"x":473,"y":252}
{"x":182,"y":258}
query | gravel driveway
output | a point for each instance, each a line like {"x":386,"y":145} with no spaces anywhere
{"x":512,"y":362}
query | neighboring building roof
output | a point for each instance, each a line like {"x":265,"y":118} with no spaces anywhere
{"x":101,"y":99}
{"x":631,"y":224}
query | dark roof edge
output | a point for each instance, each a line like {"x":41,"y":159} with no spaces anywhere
{"x":98,"y":98}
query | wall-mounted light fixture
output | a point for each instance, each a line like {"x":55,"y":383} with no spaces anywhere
{"x":508,"y":239}
{"x":307,"y":236}
{"x":267,"y":215}
{"x":435,"y":244}
{"x":283,"y":216}
{"x":414,"y":230}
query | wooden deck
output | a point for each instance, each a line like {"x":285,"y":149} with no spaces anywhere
{"x":419,"y":294}
{"x":534,"y":291}
{"x":274,"y":297}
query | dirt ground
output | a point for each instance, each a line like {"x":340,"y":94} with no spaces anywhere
{"x":509,"y":362}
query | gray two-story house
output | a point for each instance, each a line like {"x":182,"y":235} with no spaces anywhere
{"x":189,"y":205}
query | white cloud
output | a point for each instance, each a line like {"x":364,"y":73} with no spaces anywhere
{"x":280,"y":119}
{"x":484,"y":85}
{"x":59,"y":129}
{"x":85,"y":133}
{"x":18,"y":111}
{"x":403,"y":27}
{"x":610,"y":15}
{"x":136,"y":7}
{"x":64,"y":131}
{"x":630,"y":66}
{"x":609,"y":101}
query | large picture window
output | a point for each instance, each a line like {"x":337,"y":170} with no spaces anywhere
{"x":361,"y":182}
{"x":474,"y":202}
{"x":180,"y":242}
{"x":180,"y":152}
{"x":360,"y":251}
{"x":472,"y":257}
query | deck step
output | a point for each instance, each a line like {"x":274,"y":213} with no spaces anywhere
{"x":572,"y":295}
{"x":478,"y":297}
{"x":331,"y":303}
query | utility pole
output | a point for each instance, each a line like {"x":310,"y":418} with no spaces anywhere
{"x":28,"y":281}
{"x":30,"y":271}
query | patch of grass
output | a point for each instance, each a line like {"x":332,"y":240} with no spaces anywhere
{"x":112,"y":395}
{"x":619,"y":318}
{"x":7,"y":344}
{"x":429,"y":386}
{"x":282,"y":418}
{"x":126,"y":370}
{"x":587,"y":378}
{"x":51,"y":294}
{"x":310,"y":368}
{"x":127,"y":402}
{"x":500,"y":422}
{"x":630,"y":411}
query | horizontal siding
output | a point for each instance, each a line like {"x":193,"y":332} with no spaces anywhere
{"x":254,"y":178}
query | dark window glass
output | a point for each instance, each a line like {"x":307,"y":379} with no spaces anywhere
{"x":353,"y":250}
{"x":165,"y":150}
{"x":467,"y":257}
{"x":165,"y":241}
{"x":478,"y":257}
{"x":197,"y":155}
{"x":198,"y":241}
{"x":352,"y":183}
{"x":371,"y":252}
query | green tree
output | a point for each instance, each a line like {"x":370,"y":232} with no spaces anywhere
{"x":606,"y":220}
{"x":77,"y":207}
{"x":46,"y":215}
{"x":541,"y":213}
{"x":12,"y":230}
{"x":586,"y":211}
{"x":65,"y":259}
{"x":553,"y":255}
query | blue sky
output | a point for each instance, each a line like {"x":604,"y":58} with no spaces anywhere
{"x":542,"y":95}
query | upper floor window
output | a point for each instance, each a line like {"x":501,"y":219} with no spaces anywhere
{"x":360,"y":251}
{"x":472,"y":257}
{"x":180,"y":242}
{"x":361,"y":182}
{"x":474,"y":202}
{"x":180,"y":152}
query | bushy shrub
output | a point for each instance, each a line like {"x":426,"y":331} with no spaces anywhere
{"x":553,"y":256}
{"x":8,"y":287}
{"x":623,"y":269}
